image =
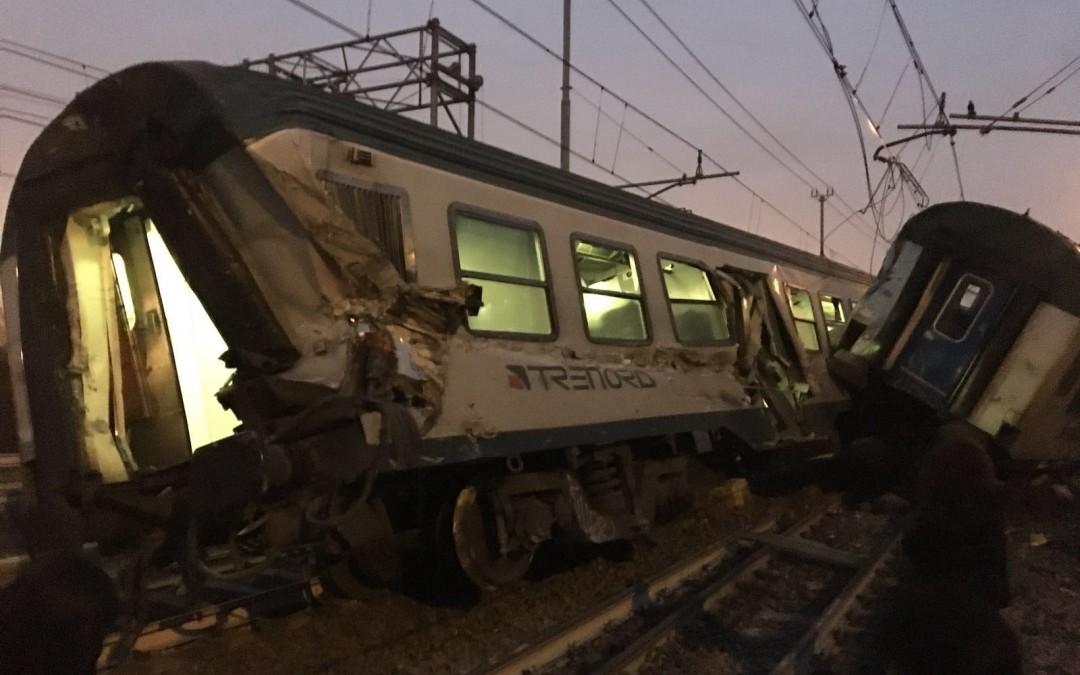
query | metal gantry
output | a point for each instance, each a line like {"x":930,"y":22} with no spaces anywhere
{"x":422,"y":68}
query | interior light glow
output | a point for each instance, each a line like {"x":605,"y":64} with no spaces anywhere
{"x":124,"y":284}
{"x":197,"y":346}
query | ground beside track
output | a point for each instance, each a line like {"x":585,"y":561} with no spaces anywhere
{"x":1044,"y":540}
{"x":392,"y":633}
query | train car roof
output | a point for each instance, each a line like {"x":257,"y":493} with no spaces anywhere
{"x":212,"y":109}
{"x":1006,"y":241}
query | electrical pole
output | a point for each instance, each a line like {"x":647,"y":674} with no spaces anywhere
{"x":564,"y":155}
{"x":821,"y":197}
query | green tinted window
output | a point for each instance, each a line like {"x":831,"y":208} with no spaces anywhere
{"x":500,"y":250}
{"x":699,"y":317}
{"x":832,"y":308}
{"x":507,"y":262}
{"x":802,"y":310}
{"x":610,"y":292}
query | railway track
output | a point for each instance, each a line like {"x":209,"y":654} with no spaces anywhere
{"x":760,"y":602}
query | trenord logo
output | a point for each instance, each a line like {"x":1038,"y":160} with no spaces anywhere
{"x":579,"y":378}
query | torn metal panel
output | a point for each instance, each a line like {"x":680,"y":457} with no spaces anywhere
{"x":288,"y":167}
{"x":767,"y":350}
{"x":416,"y":322}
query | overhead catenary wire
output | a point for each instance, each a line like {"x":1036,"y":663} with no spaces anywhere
{"x":600,"y":113}
{"x":627,"y":104}
{"x":851,"y":97}
{"x":14,"y":116}
{"x":1050,"y":90}
{"x":812,"y":15}
{"x":589,"y":78}
{"x":341,"y":26}
{"x":541,"y":135}
{"x":939,"y":101}
{"x":51,"y":59}
{"x":632,"y":107}
{"x":33,"y":95}
{"x":873,"y":47}
{"x":1024,"y":99}
{"x":716,"y":80}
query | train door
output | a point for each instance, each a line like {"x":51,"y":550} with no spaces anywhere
{"x":958,"y":320}
{"x":766,"y":350}
{"x":146,"y":353}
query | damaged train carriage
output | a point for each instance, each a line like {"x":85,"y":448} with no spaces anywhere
{"x":242,"y":307}
{"x":973,"y":321}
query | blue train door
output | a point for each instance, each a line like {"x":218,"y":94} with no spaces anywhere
{"x":957,"y":322}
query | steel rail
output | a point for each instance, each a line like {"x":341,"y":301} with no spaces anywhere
{"x":557,"y":642}
{"x":821,"y":635}
{"x":633,"y":656}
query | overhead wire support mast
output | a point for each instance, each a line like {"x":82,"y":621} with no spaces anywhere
{"x":822,"y":197}
{"x":564,"y":131}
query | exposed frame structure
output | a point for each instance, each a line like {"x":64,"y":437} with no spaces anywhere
{"x":377,"y":71}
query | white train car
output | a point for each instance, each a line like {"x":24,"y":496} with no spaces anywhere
{"x":236,"y":299}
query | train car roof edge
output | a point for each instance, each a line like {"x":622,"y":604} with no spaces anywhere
{"x":243,"y":104}
{"x":1034,"y":252}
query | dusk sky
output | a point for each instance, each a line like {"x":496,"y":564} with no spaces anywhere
{"x":992,"y":52}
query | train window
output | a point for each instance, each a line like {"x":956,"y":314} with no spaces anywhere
{"x":698,"y":316}
{"x":967,"y":299}
{"x":507,"y":261}
{"x":802,"y":310}
{"x":832,"y":308}
{"x":610,"y":292}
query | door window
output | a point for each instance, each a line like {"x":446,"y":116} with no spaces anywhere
{"x":966,"y":301}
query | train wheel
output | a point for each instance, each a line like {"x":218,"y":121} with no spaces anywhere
{"x":476,"y":544}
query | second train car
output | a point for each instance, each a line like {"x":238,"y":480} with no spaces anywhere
{"x":973,"y":321}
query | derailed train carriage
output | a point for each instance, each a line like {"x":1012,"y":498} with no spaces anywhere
{"x":973,"y":322}
{"x":241,"y":310}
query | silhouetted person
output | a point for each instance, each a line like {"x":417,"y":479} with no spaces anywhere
{"x":54,"y":617}
{"x":959,"y":532}
{"x":938,"y":628}
{"x":945,"y":618}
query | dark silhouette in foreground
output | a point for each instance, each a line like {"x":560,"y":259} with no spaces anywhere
{"x":944,"y":619}
{"x":938,"y":628}
{"x":54,"y":617}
